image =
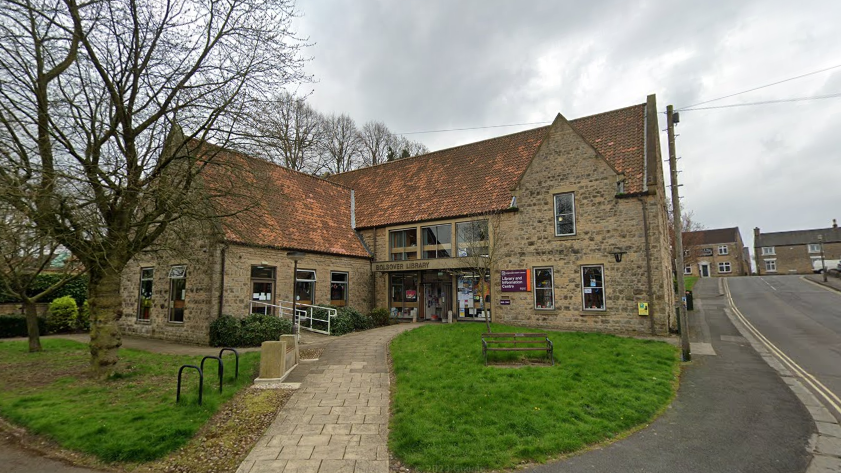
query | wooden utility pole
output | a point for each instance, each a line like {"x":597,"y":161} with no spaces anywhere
{"x":678,"y":226}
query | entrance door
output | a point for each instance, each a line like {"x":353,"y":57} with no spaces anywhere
{"x":436,"y":300}
{"x":705,"y":270}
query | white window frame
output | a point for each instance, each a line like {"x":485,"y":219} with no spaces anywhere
{"x":771,"y":262}
{"x":602,"y":287}
{"x":723,"y":250}
{"x":768,"y":250}
{"x":177,"y":272}
{"x":312,"y":281}
{"x":687,"y":269}
{"x":346,"y":283}
{"x":551,"y":287}
{"x":814,"y":247}
{"x":555,"y":219}
{"x":725,"y":264}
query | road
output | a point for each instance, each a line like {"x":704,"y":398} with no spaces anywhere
{"x":803,"y":320}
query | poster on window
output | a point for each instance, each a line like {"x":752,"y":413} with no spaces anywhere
{"x":411,"y":295}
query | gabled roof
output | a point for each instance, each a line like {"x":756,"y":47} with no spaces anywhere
{"x":478,"y":177}
{"x":711,"y":237}
{"x":263,"y":204}
{"x":797,"y":237}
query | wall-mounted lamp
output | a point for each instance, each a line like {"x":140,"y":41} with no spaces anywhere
{"x":617,"y":254}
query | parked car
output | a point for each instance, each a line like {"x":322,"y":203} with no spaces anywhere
{"x":817,"y":265}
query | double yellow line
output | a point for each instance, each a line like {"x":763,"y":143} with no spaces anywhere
{"x":824,"y":392}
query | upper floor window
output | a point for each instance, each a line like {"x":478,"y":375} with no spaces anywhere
{"x":338,"y":288}
{"x":177,"y":292}
{"x":814,"y":248}
{"x":565,"y":214}
{"x":723,"y":250}
{"x":472,"y":238}
{"x":768,"y":250}
{"x":147,"y":276}
{"x":404,"y":244}
{"x":705,"y":252}
{"x":437,"y":241}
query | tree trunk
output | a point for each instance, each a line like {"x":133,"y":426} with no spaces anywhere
{"x":31,"y":311}
{"x":482,"y":295}
{"x":105,"y":309}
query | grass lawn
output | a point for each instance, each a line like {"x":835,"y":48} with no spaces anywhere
{"x":130,"y":418}
{"x":689,"y":282}
{"x":452,"y":413}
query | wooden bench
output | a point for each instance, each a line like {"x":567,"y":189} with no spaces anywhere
{"x":518,"y":340}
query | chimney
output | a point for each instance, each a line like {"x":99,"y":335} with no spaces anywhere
{"x":756,"y":232}
{"x":834,"y":223}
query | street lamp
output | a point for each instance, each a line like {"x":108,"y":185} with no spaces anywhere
{"x":295,"y":256}
{"x":823,"y":261}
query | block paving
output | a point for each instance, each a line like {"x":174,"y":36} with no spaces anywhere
{"x":337,"y":421}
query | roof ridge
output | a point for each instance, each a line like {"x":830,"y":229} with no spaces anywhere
{"x":608,"y":111}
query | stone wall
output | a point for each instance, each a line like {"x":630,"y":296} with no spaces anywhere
{"x":795,"y":259}
{"x":16,"y":308}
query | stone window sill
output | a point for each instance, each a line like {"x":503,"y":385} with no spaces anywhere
{"x":143,"y":322}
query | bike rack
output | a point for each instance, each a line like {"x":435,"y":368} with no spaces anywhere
{"x":221,"y":368}
{"x":236,"y":373}
{"x":201,"y":381}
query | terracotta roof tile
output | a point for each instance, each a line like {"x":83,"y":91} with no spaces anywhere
{"x":711,"y":237}
{"x":478,"y":177}
{"x":264,"y":204}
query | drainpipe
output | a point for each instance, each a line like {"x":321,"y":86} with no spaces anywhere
{"x":223,"y":255}
{"x":651,"y":311}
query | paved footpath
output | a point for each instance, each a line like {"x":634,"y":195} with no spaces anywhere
{"x":337,"y":421}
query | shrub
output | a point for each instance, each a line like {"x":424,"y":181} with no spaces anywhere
{"x":258,"y":328}
{"x":15,"y":326}
{"x":83,"y":320}
{"x":62,"y":314}
{"x":350,"y":320}
{"x":225,"y":332}
{"x":379,"y":317}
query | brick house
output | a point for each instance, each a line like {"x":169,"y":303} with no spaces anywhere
{"x":569,"y":220}
{"x":794,"y":252}
{"x":715,"y":253}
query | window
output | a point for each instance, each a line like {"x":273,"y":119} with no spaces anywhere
{"x":262,"y":289}
{"x":771,"y":265}
{"x":724,"y":267}
{"x":177,"y":293}
{"x":437,"y":241}
{"x":404,"y":244}
{"x":768,"y":250}
{"x":565,"y":214}
{"x":686,"y":253}
{"x":705,"y":252}
{"x":592,"y":287}
{"x":338,"y":288}
{"x":404,"y":294}
{"x":814,"y":248}
{"x":144,"y":311}
{"x":472,"y":238}
{"x":687,"y":269}
{"x":544,"y":288}
{"x":722,"y":250}
{"x":305,"y":286}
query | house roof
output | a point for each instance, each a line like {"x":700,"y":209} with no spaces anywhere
{"x":263,"y":204}
{"x":478,"y":177}
{"x":797,"y":237}
{"x":711,"y":237}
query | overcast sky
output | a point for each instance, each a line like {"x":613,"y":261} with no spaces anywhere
{"x":430,"y":65}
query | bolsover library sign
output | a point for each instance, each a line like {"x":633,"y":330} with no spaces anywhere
{"x":419,"y":265}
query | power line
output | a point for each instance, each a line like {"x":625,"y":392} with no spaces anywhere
{"x":765,"y":102}
{"x":757,"y":88}
{"x":471,"y":128}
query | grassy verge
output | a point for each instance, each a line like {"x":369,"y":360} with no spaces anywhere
{"x":689,"y":282}
{"x":452,"y":413}
{"x":131,"y":418}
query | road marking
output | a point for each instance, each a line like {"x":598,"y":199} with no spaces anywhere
{"x":819,"y":387}
{"x":768,"y":283}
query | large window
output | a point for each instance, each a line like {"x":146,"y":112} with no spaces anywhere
{"x":705,"y":252}
{"x":437,"y":241}
{"x":724,"y":267}
{"x":723,"y":250}
{"x":262,"y":289}
{"x":814,"y":247}
{"x":144,"y":311}
{"x":338,"y":288}
{"x":403,"y":244}
{"x":177,"y":292}
{"x":544,"y":288}
{"x":565,"y":214}
{"x":771,"y":265}
{"x":592,"y":287}
{"x":305,"y":286}
{"x":472,"y":238}
{"x":768,"y":250}
{"x":404,"y":294}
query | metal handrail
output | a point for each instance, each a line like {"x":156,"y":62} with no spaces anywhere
{"x":302,"y":311}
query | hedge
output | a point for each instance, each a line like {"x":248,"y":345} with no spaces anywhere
{"x":77,"y":289}
{"x":229,"y":331}
{"x":15,"y":326}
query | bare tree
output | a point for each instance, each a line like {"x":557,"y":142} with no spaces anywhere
{"x":376,"y":139}
{"x":88,"y":93}
{"x":341,"y":147}
{"x":403,"y":147}
{"x":26,"y":255}
{"x":690,"y":240}
{"x":478,"y":245}
{"x":288,"y":131}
